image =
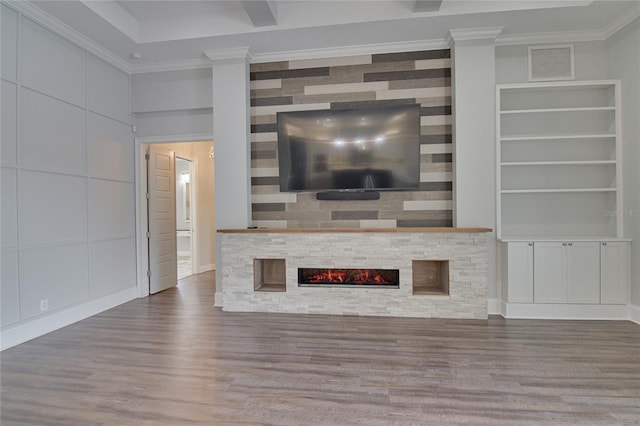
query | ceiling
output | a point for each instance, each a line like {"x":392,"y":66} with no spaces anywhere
{"x":178,"y":32}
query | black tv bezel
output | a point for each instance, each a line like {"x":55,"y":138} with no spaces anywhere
{"x":322,"y":112}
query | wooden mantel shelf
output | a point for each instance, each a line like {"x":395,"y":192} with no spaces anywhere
{"x":353,"y":230}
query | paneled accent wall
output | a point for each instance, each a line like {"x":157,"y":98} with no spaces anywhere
{"x":68,"y":207}
{"x":421,"y":77}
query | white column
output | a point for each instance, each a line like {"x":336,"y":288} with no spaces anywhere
{"x":232,"y":161}
{"x":474,"y":135}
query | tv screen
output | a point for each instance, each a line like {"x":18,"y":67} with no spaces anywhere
{"x":356,"y":149}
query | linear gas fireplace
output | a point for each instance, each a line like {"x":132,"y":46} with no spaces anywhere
{"x":333,"y":277}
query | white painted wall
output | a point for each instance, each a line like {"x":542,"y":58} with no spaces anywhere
{"x":67,"y":182}
{"x":474,"y":133}
{"x":232,"y":151}
{"x":512,"y":62}
{"x":623,"y":60}
{"x":172,"y":102}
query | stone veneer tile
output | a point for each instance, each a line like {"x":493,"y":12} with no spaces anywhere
{"x":408,"y":75}
{"x":436,"y":148}
{"x":263,"y":154}
{"x":273,"y":109}
{"x":411,"y":56}
{"x":436,"y":139}
{"x":434,"y":101}
{"x":264,"y":128}
{"x":414,"y":93}
{"x":335,"y":97}
{"x":435,"y":110}
{"x":424,"y":223}
{"x":441,"y":158}
{"x":343,"y":88}
{"x":274,"y":100}
{"x":265,"y":189}
{"x":270,"y":66}
{"x":416,"y":214}
{"x":378,"y":223}
{"x":258,"y":215}
{"x":257,"y":85}
{"x":416,"y":84}
{"x":285,"y":74}
{"x":272,"y":145}
{"x":428,"y":205}
{"x":268,"y":207}
{"x":371,"y":103}
{"x":436,"y":130}
{"x":425,"y":64}
{"x":354,"y":214}
{"x":266,"y":180}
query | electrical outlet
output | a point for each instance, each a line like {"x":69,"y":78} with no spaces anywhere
{"x":44,"y":305}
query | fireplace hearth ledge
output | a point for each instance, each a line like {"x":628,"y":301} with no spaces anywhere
{"x":465,"y":251}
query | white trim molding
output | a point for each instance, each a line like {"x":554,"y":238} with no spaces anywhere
{"x":181,"y":65}
{"x":14,"y":336}
{"x":232,"y":54}
{"x":566,"y":311}
{"x":634,"y":313}
{"x":471,"y":34}
{"x":496,"y":307}
{"x":39,"y":16}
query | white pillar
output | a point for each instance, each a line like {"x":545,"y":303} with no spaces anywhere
{"x":231,"y":130}
{"x":474,"y":136}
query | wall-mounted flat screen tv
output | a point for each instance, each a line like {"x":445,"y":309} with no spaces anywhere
{"x":356,"y":149}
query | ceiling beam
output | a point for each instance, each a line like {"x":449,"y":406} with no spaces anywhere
{"x":262,"y":13}
{"x":426,"y":5}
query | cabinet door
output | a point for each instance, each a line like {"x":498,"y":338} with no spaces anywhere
{"x":520,"y":272}
{"x":549,"y":273}
{"x":583,"y":272}
{"x":614,"y":272}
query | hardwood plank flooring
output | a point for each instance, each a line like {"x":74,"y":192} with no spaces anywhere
{"x":174,"y":359}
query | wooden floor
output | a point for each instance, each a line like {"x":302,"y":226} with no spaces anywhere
{"x":174,"y":359}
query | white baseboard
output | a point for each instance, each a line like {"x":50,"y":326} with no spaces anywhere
{"x":38,"y":327}
{"x":217,"y":301}
{"x":206,"y":268}
{"x":566,"y":311}
{"x":495,"y":307}
{"x":634,"y":313}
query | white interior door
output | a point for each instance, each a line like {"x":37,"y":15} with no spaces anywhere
{"x":163,"y":263}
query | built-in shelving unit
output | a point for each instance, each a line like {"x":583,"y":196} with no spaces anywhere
{"x":558,"y":160}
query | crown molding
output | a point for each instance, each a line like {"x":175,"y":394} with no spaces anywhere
{"x":555,"y":37}
{"x":472,"y":34}
{"x":232,"y":54}
{"x":182,"y":65}
{"x":31,"y":11}
{"x":363,"y":49}
{"x":624,"y":20}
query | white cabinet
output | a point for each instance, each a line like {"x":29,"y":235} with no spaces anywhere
{"x":558,"y":158}
{"x":549,"y":273}
{"x":614,"y":272}
{"x":582,"y":260}
{"x":569,"y":272}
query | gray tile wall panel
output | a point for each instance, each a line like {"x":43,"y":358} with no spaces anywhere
{"x":331,"y":82}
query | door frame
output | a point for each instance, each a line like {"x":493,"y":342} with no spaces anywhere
{"x":142,"y":248}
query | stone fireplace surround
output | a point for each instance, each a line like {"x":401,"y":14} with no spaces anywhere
{"x":462,"y":249}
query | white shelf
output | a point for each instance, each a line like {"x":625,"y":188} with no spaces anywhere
{"x":556,"y":137}
{"x":554,"y":190}
{"x":550,"y":110}
{"x":557,"y":163}
{"x":558,"y":160}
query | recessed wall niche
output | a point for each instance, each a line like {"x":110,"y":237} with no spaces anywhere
{"x":430,"y":277}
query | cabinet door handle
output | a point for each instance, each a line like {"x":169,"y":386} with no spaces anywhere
{"x":571,"y":244}
{"x":604,"y":244}
{"x":564,"y":244}
{"x":530,"y":244}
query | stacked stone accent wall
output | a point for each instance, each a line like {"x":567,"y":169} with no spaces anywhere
{"x":466,"y":253}
{"x":421,"y":77}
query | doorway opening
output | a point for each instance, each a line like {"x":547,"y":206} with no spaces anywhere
{"x":185,"y":219}
{"x":175,"y":199}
